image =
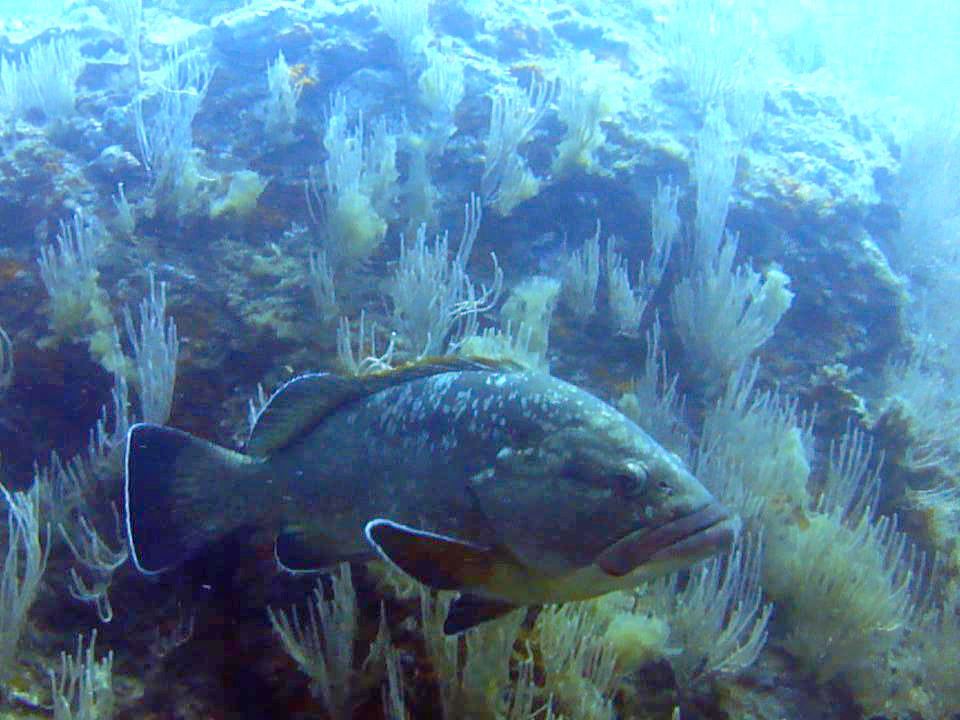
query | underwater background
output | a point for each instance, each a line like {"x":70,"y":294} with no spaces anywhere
{"x":737,"y":222}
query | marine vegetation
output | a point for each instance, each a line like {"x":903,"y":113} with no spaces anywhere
{"x":488,"y":361}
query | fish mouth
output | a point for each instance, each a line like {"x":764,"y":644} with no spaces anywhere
{"x":689,"y":538}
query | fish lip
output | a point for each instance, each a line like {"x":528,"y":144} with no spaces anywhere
{"x":694,"y":536}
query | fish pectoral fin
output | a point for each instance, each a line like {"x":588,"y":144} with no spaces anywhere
{"x":469,"y":610}
{"x":299,"y":550}
{"x":438,"y":561}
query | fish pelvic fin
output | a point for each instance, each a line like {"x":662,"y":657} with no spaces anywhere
{"x":438,"y":561}
{"x":180,"y":494}
{"x":469,"y":610}
{"x":446,"y":563}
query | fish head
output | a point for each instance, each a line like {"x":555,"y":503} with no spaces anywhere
{"x":596,"y":490}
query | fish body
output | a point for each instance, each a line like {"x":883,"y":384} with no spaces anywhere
{"x":511,"y":486}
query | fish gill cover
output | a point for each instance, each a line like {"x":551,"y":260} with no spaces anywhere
{"x":734,"y":221}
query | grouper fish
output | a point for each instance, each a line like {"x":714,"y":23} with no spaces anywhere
{"x":510,"y":486}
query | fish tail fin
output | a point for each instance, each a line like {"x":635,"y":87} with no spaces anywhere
{"x":181,"y":493}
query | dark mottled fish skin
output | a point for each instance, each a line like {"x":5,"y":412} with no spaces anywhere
{"x":418,"y":452}
{"x":541,"y":491}
{"x":407,"y":452}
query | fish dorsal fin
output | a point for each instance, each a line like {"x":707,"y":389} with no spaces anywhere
{"x":428,"y":367}
{"x":295,"y":408}
{"x":298,"y":405}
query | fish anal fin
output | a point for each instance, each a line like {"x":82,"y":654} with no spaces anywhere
{"x":435,"y":560}
{"x":469,"y":610}
{"x":299,"y":550}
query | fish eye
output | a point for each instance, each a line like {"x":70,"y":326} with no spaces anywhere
{"x":623,"y":484}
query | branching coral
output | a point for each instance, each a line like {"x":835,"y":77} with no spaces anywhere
{"x":923,"y":411}
{"x":580,"y":668}
{"x":849,"y":582}
{"x":407,"y":22}
{"x":155,"y":351}
{"x":435,"y":304}
{"x":654,"y":401}
{"x":473,"y":680}
{"x":939,"y":508}
{"x":507,"y":180}
{"x":725,"y":313}
{"x":581,"y":277}
{"x":323,"y":648}
{"x":28,"y":548}
{"x":45,"y":79}
{"x":846,"y":591}
{"x":767,"y":441}
{"x":68,"y":269}
{"x":83,"y":689}
{"x":360,"y":178}
{"x":529,"y":308}
{"x":589,"y":94}
{"x":166,"y":141}
{"x":718,"y":621}
{"x":281,"y":106}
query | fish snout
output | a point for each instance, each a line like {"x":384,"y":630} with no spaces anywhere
{"x":707,"y":531}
